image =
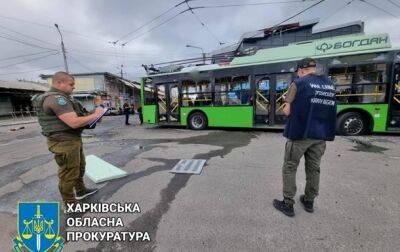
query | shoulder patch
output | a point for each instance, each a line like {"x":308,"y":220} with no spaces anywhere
{"x":61,"y":101}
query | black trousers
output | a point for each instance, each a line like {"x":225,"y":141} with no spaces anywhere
{"x":126,"y":118}
{"x":141,"y":118}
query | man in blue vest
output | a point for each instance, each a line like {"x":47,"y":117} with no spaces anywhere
{"x":311,"y":109}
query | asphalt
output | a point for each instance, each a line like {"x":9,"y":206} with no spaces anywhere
{"x":229,"y":206}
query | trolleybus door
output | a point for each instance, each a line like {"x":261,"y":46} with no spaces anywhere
{"x":173,"y":103}
{"x":161,"y":103}
{"x":282,"y":82}
{"x":270,"y":92}
{"x":168,"y":103}
{"x":262,"y":100}
{"x":394,"y":117}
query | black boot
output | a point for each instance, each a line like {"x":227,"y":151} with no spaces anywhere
{"x":284,"y":207}
{"x":308,"y":205}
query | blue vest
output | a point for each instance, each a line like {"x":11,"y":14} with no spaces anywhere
{"x":313,"y":111}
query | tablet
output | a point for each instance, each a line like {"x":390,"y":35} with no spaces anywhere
{"x":98,"y":118}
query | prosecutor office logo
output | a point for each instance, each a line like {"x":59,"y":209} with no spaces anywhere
{"x":38,"y":227}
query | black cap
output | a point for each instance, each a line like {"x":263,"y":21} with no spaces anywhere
{"x":306,"y":62}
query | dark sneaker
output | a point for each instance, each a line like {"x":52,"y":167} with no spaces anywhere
{"x":308,"y":205}
{"x":285,"y":208}
{"x":84,"y":194}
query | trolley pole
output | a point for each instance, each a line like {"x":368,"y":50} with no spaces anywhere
{"x":202,"y":52}
{"x":63,"y":49}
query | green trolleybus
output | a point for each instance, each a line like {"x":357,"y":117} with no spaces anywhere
{"x":249,"y":92}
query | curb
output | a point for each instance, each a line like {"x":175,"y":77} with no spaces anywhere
{"x":17,"y":123}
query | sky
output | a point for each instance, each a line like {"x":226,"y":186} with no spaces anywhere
{"x":30,"y":43}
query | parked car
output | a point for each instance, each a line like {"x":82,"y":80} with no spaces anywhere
{"x":114,"y":111}
{"x":111,"y":110}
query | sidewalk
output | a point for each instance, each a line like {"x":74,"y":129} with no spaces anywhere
{"x":12,"y":122}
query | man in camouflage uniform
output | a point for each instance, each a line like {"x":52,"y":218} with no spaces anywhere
{"x":62,"y":119}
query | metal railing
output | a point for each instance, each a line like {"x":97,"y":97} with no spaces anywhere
{"x":23,"y":115}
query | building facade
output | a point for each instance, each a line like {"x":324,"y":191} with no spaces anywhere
{"x":15,"y":96}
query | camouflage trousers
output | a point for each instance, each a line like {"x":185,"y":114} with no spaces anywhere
{"x":312,"y":150}
{"x":71,"y":166}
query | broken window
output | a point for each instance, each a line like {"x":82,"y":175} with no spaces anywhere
{"x":361,"y":83}
{"x":232,"y":91}
{"x":196,"y":93}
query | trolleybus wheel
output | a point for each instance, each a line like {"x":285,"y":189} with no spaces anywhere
{"x":351,"y":124}
{"x":197,"y":121}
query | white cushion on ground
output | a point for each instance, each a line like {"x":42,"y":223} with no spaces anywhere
{"x":99,"y":170}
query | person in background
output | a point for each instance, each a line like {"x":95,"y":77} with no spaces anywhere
{"x":127,"y":110}
{"x":139,"y":110}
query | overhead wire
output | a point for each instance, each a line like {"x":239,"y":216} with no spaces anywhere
{"x":52,"y":27}
{"x":25,"y":21}
{"x":117,"y":55}
{"x":152,"y":20}
{"x":30,"y":60}
{"x":287,"y":19}
{"x":336,"y":11}
{"x":394,"y":3}
{"x":27,"y":43}
{"x":145,"y":24}
{"x":155,"y":27}
{"x":24,"y":55}
{"x":30,"y":71}
{"x":252,"y":4}
{"x":197,"y":17}
{"x":208,"y":29}
{"x":297,"y":14}
{"x":108,"y":63}
{"x":300,"y":12}
{"x":96,"y":58}
{"x":233,"y":5}
{"x":203,"y":24}
{"x":27,"y":36}
{"x":104,"y":53}
{"x":80,"y":63}
{"x":191,"y":60}
{"x":378,"y":8}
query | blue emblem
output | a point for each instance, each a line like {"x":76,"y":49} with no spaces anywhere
{"x":38,"y":227}
{"x":61,"y":101}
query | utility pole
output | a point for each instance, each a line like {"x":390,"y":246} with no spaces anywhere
{"x":202,"y":52}
{"x":122,"y":77}
{"x":63,"y":49}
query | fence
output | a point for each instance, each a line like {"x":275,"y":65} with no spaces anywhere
{"x":23,"y":116}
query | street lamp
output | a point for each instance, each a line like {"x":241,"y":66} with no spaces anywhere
{"x":202,"y":52}
{"x":63,"y":49}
